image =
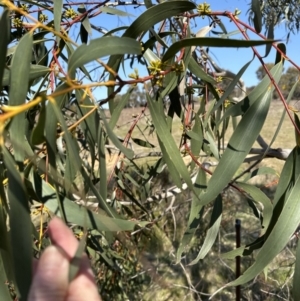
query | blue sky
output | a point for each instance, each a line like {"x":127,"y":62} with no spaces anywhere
{"x":235,"y":59}
{"x":231,"y":59}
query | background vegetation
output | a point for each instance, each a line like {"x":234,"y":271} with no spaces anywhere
{"x":153,"y":192}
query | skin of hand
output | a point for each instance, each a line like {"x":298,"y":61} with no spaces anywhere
{"x":50,"y":274}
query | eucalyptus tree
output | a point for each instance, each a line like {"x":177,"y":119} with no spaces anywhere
{"x":62,"y":72}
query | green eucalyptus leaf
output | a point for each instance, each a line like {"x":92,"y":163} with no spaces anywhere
{"x":212,"y":231}
{"x":199,"y":72}
{"x":259,"y":197}
{"x":4,"y":39}
{"x":270,"y":36}
{"x":19,"y":78}
{"x":241,"y":107}
{"x":102,"y":163}
{"x":166,"y":139}
{"x":279,"y":236}
{"x":33,"y":72}
{"x":79,"y":215}
{"x":195,"y":215}
{"x":119,"y":108}
{"x":20,"y":226}
{"x":257,"y":19}
{"x":112,"y":136}
{"x":211,"y":42}
{"x":114,"y":11}
{"x":58,"y":8}
{"x":146,"y":20}
{"x":279,"y":57}
{"x":37,"y":135}
{"x":101,"y":47}
{"x":239,"y":146}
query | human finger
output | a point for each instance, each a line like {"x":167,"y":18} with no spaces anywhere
{"x":83,"y":287}
{"x":62,"y":236}
{"x":50,"y":280}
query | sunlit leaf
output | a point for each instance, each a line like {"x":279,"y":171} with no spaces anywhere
{"x":114,"y":11}
{"x":171,"y":151}
{"x":18,"y":91}
{"x":33,"y":72}
{"x":58,"y":9}
{"x":102,"y":47}
{"x":239,"y":146}
{"x":211,"y":42}
{"x":279,"y":236}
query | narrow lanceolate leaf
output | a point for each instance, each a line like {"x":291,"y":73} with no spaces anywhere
{"x":286,"y":225}
{"x":119,"y":108}
{"x":71,"y":149}
{"x":241,"y":107}
{"x":238,"y":146}
{"x":20,"y":226}
{"x":90,"y":123}
{"x":34,"y":72}
{"x":102,"y":163}
{"x":85,"y":26}
{"x":297,"y":136}
{"x":259,"y":197}
{"x":37,"y":134}
{"x":4,"y":38}
{"x":6,"y":260}
{"x":114,"y":139}
{"x":79,"y":215}
{"x":58,"y":8}
{"x":114,"y":11}
{"x":196,"y":212}
{"x":279,"y":56}
{"x":156,"y":14}
{"x":171,"y":150}
{"x":51,"y":125}
{"x":296,"y":279}
{"x":83,"y":34}
{"x":199,"y":72}
{"x":213,"y":230}
{"x":257,"y":19}
{"x":270,"y":36}
{"x":18,"y":92}
{"x":102,"y":47}
{"x":232,"y":85}
{"x":211,"y":42}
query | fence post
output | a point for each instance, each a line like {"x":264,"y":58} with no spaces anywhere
{"x":238,"y":258}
